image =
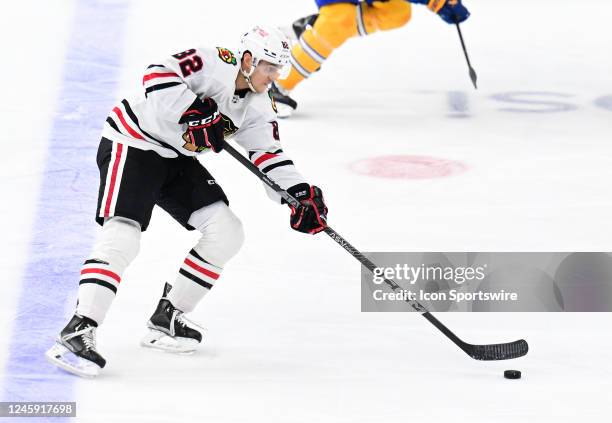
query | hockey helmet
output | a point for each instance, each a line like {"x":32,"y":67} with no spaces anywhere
{"x":268,"y":44}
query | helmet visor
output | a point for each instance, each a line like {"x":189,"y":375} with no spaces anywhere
{"x":274,"y":70}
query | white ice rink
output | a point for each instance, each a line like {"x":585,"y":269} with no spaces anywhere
{"x":286,"y":340}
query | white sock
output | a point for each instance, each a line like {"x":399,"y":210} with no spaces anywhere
{"x":196,"y":277}
{"x":116,"y":247}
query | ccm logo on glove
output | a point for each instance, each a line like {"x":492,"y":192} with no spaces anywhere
{"x":204,"y":126}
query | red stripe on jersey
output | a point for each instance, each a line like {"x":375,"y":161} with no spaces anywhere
{"x":113,"y":180}
{"x":158,"y":75}
{"x":265,"y":157}
{"x":125,"y":125}
{"x":102,"y":272}
{"x":200,"y":269}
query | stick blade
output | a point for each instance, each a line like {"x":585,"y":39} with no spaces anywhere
{"x":494,"y":352}
{"x":473,"y":77}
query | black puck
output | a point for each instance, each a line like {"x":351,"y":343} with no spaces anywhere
{"x":512,"y":374}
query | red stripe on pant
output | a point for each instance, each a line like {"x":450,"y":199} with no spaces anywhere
{"x":113,"y":180}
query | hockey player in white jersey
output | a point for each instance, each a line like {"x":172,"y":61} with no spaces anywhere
{"x":189,"y":103}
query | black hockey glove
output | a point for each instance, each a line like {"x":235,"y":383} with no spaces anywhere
{"x":204,"y":126}
{"x":311,"y":216}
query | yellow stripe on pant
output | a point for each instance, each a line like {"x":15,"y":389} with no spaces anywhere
{"x":337,"y":23}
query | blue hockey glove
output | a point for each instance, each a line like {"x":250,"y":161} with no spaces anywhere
{"x":451,"y":11}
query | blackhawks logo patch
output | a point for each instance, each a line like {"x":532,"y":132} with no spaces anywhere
{"x":227,"y":56}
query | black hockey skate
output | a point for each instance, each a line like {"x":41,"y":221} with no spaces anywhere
{"x":285,"y":105}
{"x":300,"y":25}
{"x":170,"y":330}
{"x":75,"y":348}
{"x":294,"y":30}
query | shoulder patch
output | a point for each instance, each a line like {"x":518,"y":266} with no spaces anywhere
{"x":227,"y":56}
{"x":273,"y":102}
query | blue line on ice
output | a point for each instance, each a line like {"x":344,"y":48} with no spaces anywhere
{"x":64,"y":222}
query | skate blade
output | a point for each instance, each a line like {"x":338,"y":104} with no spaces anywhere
{"x":158,"y":340}
{"x":66,"y":360}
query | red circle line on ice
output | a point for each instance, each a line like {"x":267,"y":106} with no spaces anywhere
{"x":407,"y":167}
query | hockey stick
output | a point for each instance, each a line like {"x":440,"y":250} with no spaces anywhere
{"x":479,"y":352}
{"x":473,"y":76}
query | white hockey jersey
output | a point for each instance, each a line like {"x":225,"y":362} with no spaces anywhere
{"x":149,"y":121}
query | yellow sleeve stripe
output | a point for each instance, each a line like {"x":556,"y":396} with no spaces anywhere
{"x":436,"y":5}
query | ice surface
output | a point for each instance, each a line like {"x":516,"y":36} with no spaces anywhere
{"x":286,"y":339}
